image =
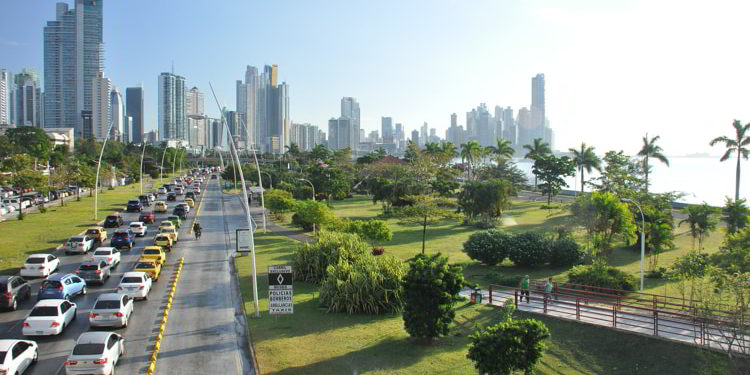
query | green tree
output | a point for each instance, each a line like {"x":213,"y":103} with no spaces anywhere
{"x":31,"y":140}
{"x":586,"y":160}
{"x":449,"y":149}
{"x":535,"y":150}
{"x":487,"y":199}
{"x":471,"y":152}
{"x":431,"y":289}
{"x":444,"y":183}
{"x":504,"y":149}
{"x":604,"y":218}
{"x":657,"y":212}
{"x":621,"y":176}
{"x":651,"y":150}
{"x":6,"y":147}
{"x":425,"y":210}
{"x":26,"y":179}
{"x":412,"y":151}
{"x":372,"y":231}
{"x":735,"y":215}
{"x":313,"y":214}
{"x":734,"y":253}
{"x":735,"y":144}
{"x":17,"y":163}
{"x":509,"y":346}
{"x":320,"y":152}
{"x":506,"y":170}
{"x":279,"y":201}
{"x":701,"y":220}
{"x":552,"y":171}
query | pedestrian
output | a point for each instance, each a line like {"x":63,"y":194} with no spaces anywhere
{"x":548,"y":289}
{"x":525,"y":288}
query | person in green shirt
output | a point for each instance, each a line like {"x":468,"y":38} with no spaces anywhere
{"x":525,"y":288}
{"x":548,"y":289}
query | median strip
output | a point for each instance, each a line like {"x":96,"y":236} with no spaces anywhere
{"x":165,"y":318}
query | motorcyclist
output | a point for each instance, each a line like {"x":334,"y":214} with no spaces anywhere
{"x":197,"y":229}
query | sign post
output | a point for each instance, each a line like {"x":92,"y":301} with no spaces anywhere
{"x":242,"y":241}
{"x":280,"y":290}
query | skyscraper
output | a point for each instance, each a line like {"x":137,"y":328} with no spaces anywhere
{"x":171,"y":121}
{"x":100,"y":117}
{"x":509,"y":126}
{"x":247,"y":102}
{"x":339,"y":133}
{"x":423,"y":135}
{"x":73,"y":58}
{"x":268,"y":114}
{"x":134,"y":109}
{"x":193,"y":102}
{"x":117,"y":116}
{"x":350,"y":109}
{"x":386,"y":129}
{"x":27,"y":97}
{"x":5,"y":96}
{"x":525,"y":127}
{"x":537,"y":106}
{"x":415,"y":136}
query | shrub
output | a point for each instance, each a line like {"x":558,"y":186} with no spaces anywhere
{"x":508,"y":346}
{"x":565,"y":251}
{"x":279,"y":201}
{"x":372,"y":231}
{"x":378,"y":251}
{"x":312,"y":214}
{"x":311,"y":260}
{"x":489,"y":247}
{"x":365,"y":285}
{"x":602,"y":275}
{"x":529,"y":249}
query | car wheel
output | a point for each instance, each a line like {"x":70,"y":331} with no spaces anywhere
{"x":67,"y":297}
{"x":75,"y":314}
{"x":83,"y":291}
{"x":35,"y":358}
{"x":146,"y":296}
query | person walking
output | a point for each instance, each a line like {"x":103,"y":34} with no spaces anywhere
{"x":548,"y":289}
{"x":525,"y":288}
{"x":197,"y":229}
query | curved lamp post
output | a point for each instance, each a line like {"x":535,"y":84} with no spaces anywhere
{"x":270,"y":181}
{"x":98,"y":167}
{"x":643,"y":234}
{"x":161,"y":166}
{"x":142,"y":153}
{"x":311,"y":184}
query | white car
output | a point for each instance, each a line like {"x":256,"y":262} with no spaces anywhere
{"x":79,"y":244}
{"x":184,"y":205}
{"x":40,"y":265}
{"x":49,"y":317}
{"x":139,"y":228}
{"x":16,"y":356}
{"x":95,"y":353}
{"x":135,"y":284}
{"x":151,"y":197}
{"x":111,"y":310}
{"x":107,"y":254}
{"x":3,"y":210}
{"x":162,"y":190}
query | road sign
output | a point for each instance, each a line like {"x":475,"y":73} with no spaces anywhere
{"x":242,"y":240}
{"x":280,"y":290}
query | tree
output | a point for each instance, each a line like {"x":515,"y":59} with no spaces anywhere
{"x":28,"y":179}
{"x":659,"y":225}
{"x":735,"y":215}
{"x":31,"y":140}
{"x":320,"y":152}
{"x":412,"y":152}
{"x":535,"y":150}
{"x":737,"y":144}
{"x":586,"y":160}
{"x":508,"y":346}
{"x":552,"y":171}
{"x":279,"y":201}
{"x":313,"y":214}
{"x":431,"y":289}
{"x":444,"y":183}
{"x":487,"y":199}
{"x":471,"y":152}
{"x":504,"y":149}
{"x":701,"y":221}
{"x":734,"y":253}
{"x":651,"y":150}
{"x":372,"y":231}
{"x":621,"y":175}
{"x":425,"y":210}
{"x":603,"y":217}
{"x":505,"y":170}
{"x":17,"y":163}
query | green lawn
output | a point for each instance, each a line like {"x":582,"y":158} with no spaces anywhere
{"x":43,"y":232}
{"x":315,"y":342}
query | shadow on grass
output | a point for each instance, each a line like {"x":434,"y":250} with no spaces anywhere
{"x":414,"y":236}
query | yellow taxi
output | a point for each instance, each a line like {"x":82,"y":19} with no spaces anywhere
{"x":172,"y":232}
{"x":152,"y":268}
{"x":166,"y":224}
{"x":164,"y":240}
{"x":155,"y":253}
{"x":160,"y":206}
{"x":190,"y":202}
{"x":99,"y":234}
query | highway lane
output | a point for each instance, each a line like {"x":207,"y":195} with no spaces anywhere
{"x":206,"y":331}
{"x":54,"y":350}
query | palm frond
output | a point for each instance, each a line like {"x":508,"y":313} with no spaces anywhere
{"x":727,"y":154}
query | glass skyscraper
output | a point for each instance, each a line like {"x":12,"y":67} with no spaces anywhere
{"x":172,"y":120}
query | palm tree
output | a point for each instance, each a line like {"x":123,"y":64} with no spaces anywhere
{"x":735,"y":214}
{"x":585,"y":159}
{"x":735,"y":145}
{"x":651,"y":150}
{"x":701,"y":221}
{"x":449,"y":149}
{"x":536,"y":150}
{"x":504,"y":149}
{"x":471,"y":152}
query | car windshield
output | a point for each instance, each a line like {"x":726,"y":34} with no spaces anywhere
{"x":89,"y":267}
{"x":133,"y":202}
{"x":151,"y":251}
{"x":143,"y":265}
{"x":51,"y":284}
{"x":88,"y":349}
{"x":92,"y":231}
{"x":34,"y":260}
{"x":76,"y":239}
{"x":2,"y":357}
{"x":111,"y":218}
{"x":131,"y":280}
{"x":107,"y":305}
{"x":135,"y":225}
{"x":120,"y":235}
{"x":44,"y":311}
{"x":162,"y":238}
{"x":103,"y":252}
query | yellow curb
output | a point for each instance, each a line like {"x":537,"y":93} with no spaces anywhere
{"x":154,"y":355}
{"x":157,"y":346}
{"x":151,"y":368}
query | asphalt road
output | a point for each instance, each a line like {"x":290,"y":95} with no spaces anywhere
{"x":206,"y":332}
{"x":140,"y":333}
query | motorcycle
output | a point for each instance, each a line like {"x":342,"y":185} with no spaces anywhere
{"x":197,"y":234}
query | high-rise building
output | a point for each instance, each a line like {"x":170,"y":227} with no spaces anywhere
{"x":117,"y":116}
{"x":423,"y":135}
{"x":194,"y":117}
{"x":134,"y":109}
{"x":509,"y":126}
{"x":27,"y":99}
{"x":101,"y":95}
{"x":350,"y":109}
{"x":268,"y":114}
{"x":455,"y":133}
{"x":305,"y":136}
{"x":339,"y":133}
{"x":6,"y":84}
{"x":482,"y":124}
{"x":386,"y":129}
{"x":415,"y":136}
{"x":73,"y":59}
{"x":247,"y":102}
{"x":193,"y":102}
{"x":538,"y":114}
{"x":172,"y":117}
{"x":128,"y":129}
{"x":525,"y":128}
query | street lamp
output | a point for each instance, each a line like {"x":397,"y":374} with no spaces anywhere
{"x":98,"y":167}
{"x":643,"y":234}
{"x":270,"y":181}
{"x":311,"y":184}
{"x":142,"y":153}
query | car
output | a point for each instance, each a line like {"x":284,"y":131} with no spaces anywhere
{"x":61,"y":286}
{"x":144,"y":200}
{"x":167,"y":187}
{"x":94,"y":271}
{"x":213,"y":176}
{"x":40,"y":265}
{"x":190,"y":202}
{"x":150,"y":267}
{"x":175,"y":220}
{"x":185,"y":205}
{"x":110,"y":255}
{"x":139,"y":228}
{"x":99,"y":234}
{"x":180,"y":211}
{"x":172,"y":232}
{"x":147,"y":217}
{"x":166,"y":224}
{"x":12,"y":290}
{"x":16,"y":356}
{"x":135,"y":284}
{"x":95,"y":353}
{"x":178,"y":190}
{"x":151,"y":197}
{"x":134,"y":205}
{"x":162,"y":190}
{"x":49,"y":317}
{"x":155,"y":253}
{"x":164,"y":240}
{"x":113,"y":221}
{"x":111,"y":310}
{"x":160,"y":206}
{"x":123,"y":238}
{"x":190,"y":195}
{"x":197,"y":191}
{"x":171,"y":196}
{"x":79,"y":244}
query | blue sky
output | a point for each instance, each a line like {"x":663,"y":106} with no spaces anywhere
{"x":615,"y":70}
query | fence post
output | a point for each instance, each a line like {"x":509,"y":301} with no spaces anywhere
{"x":544,"y":300}
{"x":578,"y":309}
{"x":515,"y":295}
{"x":490,"y":294}
{"x":656,"y":323}
{"x":614,"y":316}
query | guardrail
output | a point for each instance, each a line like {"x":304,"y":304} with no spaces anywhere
{"x":165,"y":319}
{"x":716,"y":329}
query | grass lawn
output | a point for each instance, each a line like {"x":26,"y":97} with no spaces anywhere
{"x":43,"y":232}
{"x":315,"y":342}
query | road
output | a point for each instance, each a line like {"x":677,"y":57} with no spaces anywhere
{"x":139,"y":335}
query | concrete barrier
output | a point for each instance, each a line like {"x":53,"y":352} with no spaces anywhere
{"x":165,"y":319}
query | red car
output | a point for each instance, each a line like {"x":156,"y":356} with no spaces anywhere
{"x":147,"y":217}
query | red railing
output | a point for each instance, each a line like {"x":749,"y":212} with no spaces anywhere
{"x":718,"y":329}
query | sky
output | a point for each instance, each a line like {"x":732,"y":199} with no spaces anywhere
{"x":615,"y":70}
